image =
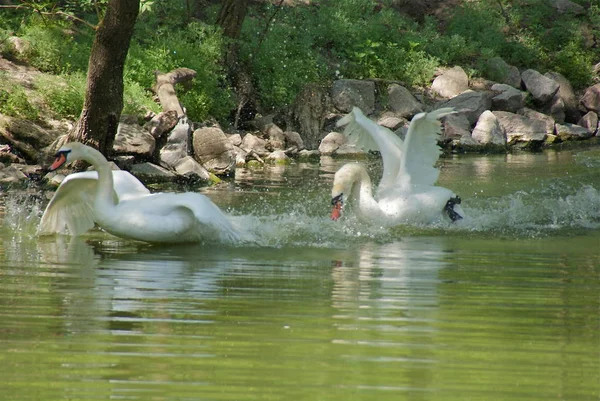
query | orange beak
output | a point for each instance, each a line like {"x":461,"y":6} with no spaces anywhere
{"x":336,"y":212}
{"x":59,"y":161}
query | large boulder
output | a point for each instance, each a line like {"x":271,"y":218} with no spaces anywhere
{"x":500,"y":71}
{"x":567,"y":95}
{"x":25,"y":137}
{"x":591,"y":99}
{"x":522,"y":131}
{"x":470,"y":103}
{"x":213,"y":150}
{"x":133,"y":139}
{"x":253,"y":143}
{"x":542,"y":88}
{"x":402,"y":102}
{"x":589,"y":121}
{"x":567,"y":132}
{"x":177,"y":146}
{"x":151,"y":173}
{"x":190,"y":169}
{"x":349,"y":93}
{"x":507,"y":98}
{"x":331,"y":143}
{"x":488,"y":131}
{"x":450,"y":83}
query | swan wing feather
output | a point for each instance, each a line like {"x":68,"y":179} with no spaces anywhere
{"x":417,"y":167}
{"x":367,"y":135}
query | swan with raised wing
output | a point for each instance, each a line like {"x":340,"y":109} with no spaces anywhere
{"x":121,"y":205}
{"x":407,"y":193}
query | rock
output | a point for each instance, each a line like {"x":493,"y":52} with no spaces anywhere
{"x":292,"y":138}
{"x":402,"y":102}
{"x":567,"y":95}
{"x":308,"y":154}
{"x":276,"y":136}
{"x":17,"y":46}
{"x":125,"y":162}
{"x":589,"y":121}
{"x":542,"y":88}
{"x":500,"y":71}
{"x":391,"y":121}
{"x":189,"y":168}
{"x":470,"y":103}
{"x":240,"y":156}
{"x":177,"y":145}
{"x":536,"y":115}
{"x":213,"y":150}
{"x":455,"y":127}
{"x":235,"y":139}
{"x":149,"y":172}
{"x":556,"y":109}
{"x":278,"y":157}
{"x":162,"y":123}
{"x":451,"y":83}
{"x":132,"y":139}
{"x":521,"y":131}
{"x":591,"y":99}
{"x":331,"y":143}
{"x":568,"y":132}
{"x":488,"y":131}
{"x":348,"y":93}
{"x":309,"y":113}
{"x":567,"y":7}
{"x":12,"y":175}
{"x":6,"y":155}
{"x":508,"y":98}
{"x":25,"y":137}
{"x":251,"y":143}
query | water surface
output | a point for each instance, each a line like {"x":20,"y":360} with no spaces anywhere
{"x":504,"y":306}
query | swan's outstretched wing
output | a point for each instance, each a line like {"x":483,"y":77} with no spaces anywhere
{"x":421,"y":150}
{"x":71,"y":208}
{"x":367,"y":135}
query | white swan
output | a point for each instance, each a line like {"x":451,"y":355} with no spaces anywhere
{"x":406,"y":193}
{"x":121,"y":205}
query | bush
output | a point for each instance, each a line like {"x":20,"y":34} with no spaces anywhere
{"x":63,"y":95}
{"x":14,"y":102}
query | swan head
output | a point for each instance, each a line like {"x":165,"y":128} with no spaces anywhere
{"x":343,"y":186}
{"x":69,"y":153}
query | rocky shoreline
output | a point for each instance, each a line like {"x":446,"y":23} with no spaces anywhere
{"x":517,"y":111}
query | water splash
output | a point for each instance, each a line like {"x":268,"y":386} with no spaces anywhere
{"x":555,"y":209}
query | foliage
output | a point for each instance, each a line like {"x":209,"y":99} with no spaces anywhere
{"x":198,"y":47}
{"x":14,"y":102}
{"x":63,"y":95}
{"x":284,"y":49}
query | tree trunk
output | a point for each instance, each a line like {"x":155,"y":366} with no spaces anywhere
{"x":97,"y":125}
{"x":231,"y":17}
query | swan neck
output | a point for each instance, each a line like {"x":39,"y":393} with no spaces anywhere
{"x":104,"y":194}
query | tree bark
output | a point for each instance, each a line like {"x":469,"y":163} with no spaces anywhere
{"x":97,"y":125}
{"x":165,"y":88}
{"x":231,"y":17}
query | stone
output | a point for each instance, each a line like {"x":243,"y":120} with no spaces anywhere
{"x":251,"y":142}
{"x":349,"y":93}
{"x":132,"y":139}
{"x":567,"y":7}
{"x":488,"y":131}
{"x":235,"y":139}
{"x":522,"y":131}
{"x":213,"y":150}
{"x":309,"y":113}
{"x":536,"y":115}
{"x":470,"y":103}
{"x":331,"y":143}
{"x":401,"y":101}
{"x":278,"y":157}
{"x":568,"y":132}
{"x":542,"y":88}
{"x":591,"y":99}
{"x":455,"y":127}
{"x":177,"y":145}
{"x":450,"y":83}
{"x":292,"y":138}
{"x":12,"y":175}
{"x":391,"y":121}
{"x":500,"y":71}
{"x":276,"y":136}
{"x":149,"y":172}
{"x":162,"y":123}
{"x":508,"y":98}
{"x":589,"y":121}
{"x":567,"y":95}
{"x":25,"y":137}
{"x":189,"y":168}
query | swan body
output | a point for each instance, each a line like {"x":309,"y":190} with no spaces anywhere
{"x":407,"y":192}
{"x":120,"y":204}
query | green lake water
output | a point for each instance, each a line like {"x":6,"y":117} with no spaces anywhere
{"x":503,"y":306}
